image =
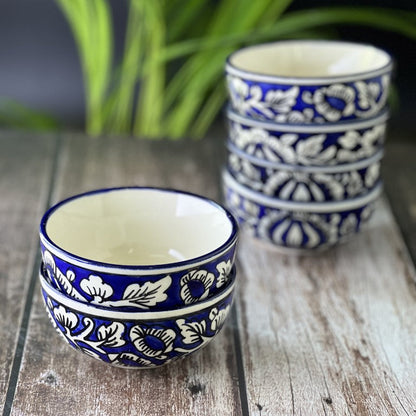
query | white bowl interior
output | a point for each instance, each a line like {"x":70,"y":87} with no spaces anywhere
{"x":139,"y":226}
{"x":309,"y":59}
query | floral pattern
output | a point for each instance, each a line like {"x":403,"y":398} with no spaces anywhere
{"x":138,"y":344}
{"x":156,"y":292}
{"x":308,"y":104}
{"x":308,"y":150}
{"x":297,"y":229}
{"x":303,"y":186}
{"x":195,"y":285}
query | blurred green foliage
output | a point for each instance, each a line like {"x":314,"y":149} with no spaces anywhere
{"x":169,"y":81}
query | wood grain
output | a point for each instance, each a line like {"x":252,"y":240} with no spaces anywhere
{"x":25,"y":166}
{"x":331,"y":333}
{"x":72,"y":384}
{"x":328,"y":334}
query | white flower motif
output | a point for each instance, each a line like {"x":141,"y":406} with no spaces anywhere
{"x":250,"y":208}
{"x":294,"y":236}
{"x":195,"y":285}
{"x":292,"y":229}
{"x":218,"y":317}
{"x":333,"y":184}
{"x":65,"y":318}
{"x":368,"y":94}
{"x":350,"y":139}
{"x":367,"y":212}
{"x":152,"y":342}
{"x":282,"y":101}
{"x":234,"y":199}
{"x":355,"y":184}
{"x":49,"y":262}
{"x":238,"y":93}
{"x":374,"y":136}
{"x":333,"y":102}
{"x":111,"y":335}
{"x":349,"y":225}
{"x":296,"y":117}
{"x":192,"y":332}
{"x":310,"y":148}
{"x":224,"y":269}
{"x":372,"y":175}
{"x":95,"y":287}
{"x":345,"y":155}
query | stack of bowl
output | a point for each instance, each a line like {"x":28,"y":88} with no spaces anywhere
{"x":306,"y":124}
{"x":138,"y":277}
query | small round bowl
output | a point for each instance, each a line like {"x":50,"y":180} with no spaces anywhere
{"x":137,"y":340}
{"x":307,"y":144}
{"x":309,"y":81}
{"x":304,"y":183}
{"x":296,"y":225}
{"x":138,"y":248}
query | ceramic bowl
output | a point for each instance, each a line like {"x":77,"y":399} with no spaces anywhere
{"x":141,"y":339}
{"x":138,"y":248}
{"x":297,"y":225}
{"x":304,"y":183}
{"x":309,"y":81}
{"x":307,"y":144}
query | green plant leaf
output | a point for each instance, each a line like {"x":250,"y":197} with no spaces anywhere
{"x":16,"y":115}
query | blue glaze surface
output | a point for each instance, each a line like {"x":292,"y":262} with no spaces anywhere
{"x":137,"y":341}
{"x":140,"y":291}
{"x":324,"y":145}
{"x":307,"y":227}
{"x":293,"y":183}
{"x":127,"y":287}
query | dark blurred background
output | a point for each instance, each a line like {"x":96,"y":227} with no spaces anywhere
{"x":40,"y":68}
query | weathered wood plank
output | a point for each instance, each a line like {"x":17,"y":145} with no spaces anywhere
{"x":25,"y":165}
{"x":72,"y":384}
{"x":331,"y":333}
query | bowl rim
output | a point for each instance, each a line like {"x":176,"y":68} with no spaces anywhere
{"x":111,"y":313}
{"x":151,"y":269}
{"x":333,"y":127}
{"x":312,"y":207}
{"x":286,"y":80}
{"x":337,"y":168}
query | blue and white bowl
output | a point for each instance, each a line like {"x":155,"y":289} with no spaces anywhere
{"x":297,"y":225}
{"x":309,"y":81}
{"x":304,"y":183}
{"x":138,"y":248}
{"x":308,"y":144}
{"x":143,"y":339}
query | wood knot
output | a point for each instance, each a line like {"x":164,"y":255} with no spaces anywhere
{"x":327,"y":400}
{"x":196,"y":388}
{"x":50,"y":378}
{"x":259,"y":406}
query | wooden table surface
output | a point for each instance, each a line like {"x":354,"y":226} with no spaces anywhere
{"x":327,"y":334}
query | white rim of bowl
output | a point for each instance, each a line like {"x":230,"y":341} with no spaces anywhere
{"x":253,"y":76}
{"x":91,"y":310}
{"x":134,"y":270}
{"x":345,"y":167}
{"x":316,"y":207}
{"x":334,"y":127}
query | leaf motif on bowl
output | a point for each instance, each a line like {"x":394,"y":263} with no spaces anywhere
{"x":111,"y":335}
{"x":282,"y":101}
{"x":218,"y":317}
